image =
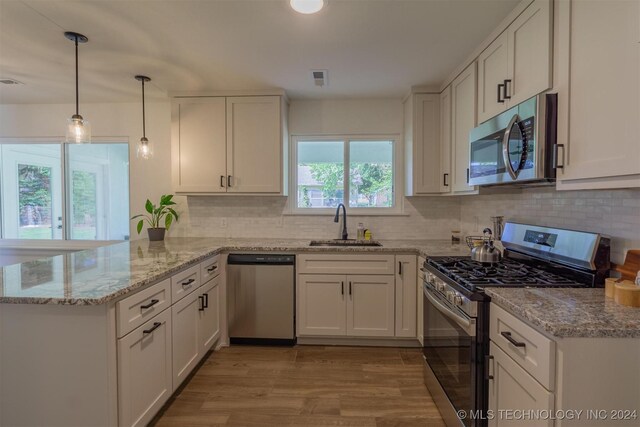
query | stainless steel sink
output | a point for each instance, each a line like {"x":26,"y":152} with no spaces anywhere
{"x":348,"y":242}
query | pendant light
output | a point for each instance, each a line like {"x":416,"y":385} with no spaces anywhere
{"x":78,"y":129}
{"x":145,"y":148}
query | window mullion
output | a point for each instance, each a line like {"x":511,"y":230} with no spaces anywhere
{"x":346,"y":173}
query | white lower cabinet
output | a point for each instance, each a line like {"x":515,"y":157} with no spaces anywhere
{"x":339,"y":305}
{"x":370,"y":306}
{"x":321,"y":304}
{"x":512,"y":388}
{"x":209,"y":318}
{"x":144,"y":371}
{"x":186,"y":341}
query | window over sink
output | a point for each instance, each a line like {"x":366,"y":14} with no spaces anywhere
{"x":358,"y":172}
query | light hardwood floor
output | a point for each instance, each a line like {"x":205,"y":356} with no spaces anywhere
{"x":305,"y":386}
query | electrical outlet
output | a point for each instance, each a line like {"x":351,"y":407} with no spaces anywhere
{"x":223,"y":223}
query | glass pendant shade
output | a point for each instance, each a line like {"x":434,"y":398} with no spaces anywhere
{"x":78,"y":130}
{"x":145,"y":149}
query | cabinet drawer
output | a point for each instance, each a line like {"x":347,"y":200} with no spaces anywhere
{"x":534,"y":352}
{"x":345,"y":264}
{"x":209,"y":268}
{"x":185,"y":282}
{"x":133,"y":311}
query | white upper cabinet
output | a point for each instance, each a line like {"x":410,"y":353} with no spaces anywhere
{"x":228,"y":144}
{"x":463,"y":120}
{"x":599,"y":69}
{"x":254,"y":144}
{"x":422,"y":116}
{"x":198,"y":145}
{"x":517,"y":65}
{"x":445,"y":140}
{"x":492,"y":72}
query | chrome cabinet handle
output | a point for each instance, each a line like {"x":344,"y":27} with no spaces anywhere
{"x":155,"y":326}
{"x":151,"y":304}
{"x":507,"y":89}
{"x":221,"y":181}
{"x":500,"y":89}
{"x":509,"y":338}
{"x":188,"y":282}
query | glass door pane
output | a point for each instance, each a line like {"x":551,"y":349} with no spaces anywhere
{"x":31,"y":191}
{"x":98,"y":191}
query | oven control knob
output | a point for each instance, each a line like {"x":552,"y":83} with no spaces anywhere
{"x":457,"y":300}
{"x":440,"y":286}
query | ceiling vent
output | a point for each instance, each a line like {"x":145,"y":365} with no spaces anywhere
{"x":10,"y":82}
{"x":320,"y":77}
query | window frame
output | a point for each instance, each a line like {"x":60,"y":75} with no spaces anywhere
{"x":396,"y":209}
{"x":64,"y":191}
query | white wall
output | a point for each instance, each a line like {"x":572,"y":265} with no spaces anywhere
{"x":148,"y":179}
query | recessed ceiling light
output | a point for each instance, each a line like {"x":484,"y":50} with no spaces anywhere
{"x":307,"y":6}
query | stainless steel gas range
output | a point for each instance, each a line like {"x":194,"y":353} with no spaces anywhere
{"x":456,"y":309}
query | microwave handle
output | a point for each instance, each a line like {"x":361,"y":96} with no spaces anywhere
{"x":505,"y":148}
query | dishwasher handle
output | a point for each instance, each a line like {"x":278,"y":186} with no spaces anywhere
{"x":261,"y":259}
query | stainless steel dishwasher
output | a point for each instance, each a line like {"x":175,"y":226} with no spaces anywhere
{"x":261,"y":299}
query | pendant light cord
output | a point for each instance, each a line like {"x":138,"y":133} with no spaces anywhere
{"x":77,"y":90}
{"x":144,"y":130}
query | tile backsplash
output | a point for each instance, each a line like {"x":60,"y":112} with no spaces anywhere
{"x":615,"y":213}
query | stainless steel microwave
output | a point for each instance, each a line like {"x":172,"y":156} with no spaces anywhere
{"x":517,"y":146}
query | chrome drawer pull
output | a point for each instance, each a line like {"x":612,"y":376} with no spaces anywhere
{"x":509,"y":338}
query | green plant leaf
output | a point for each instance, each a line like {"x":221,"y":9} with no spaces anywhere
{"x":149,"y":206}
{"x":167,"y":221}
{"x":136,"y":216}
{"x":140,"y":224}
{"x":166,"y":198}
{"x":174,"y":213}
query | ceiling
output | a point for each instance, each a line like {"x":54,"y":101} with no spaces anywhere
{"x":372,"y":48}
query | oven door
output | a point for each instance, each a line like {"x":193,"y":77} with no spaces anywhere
{"x":450,"y":355}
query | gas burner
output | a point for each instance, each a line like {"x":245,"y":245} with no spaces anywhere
{"x":506,"y":273}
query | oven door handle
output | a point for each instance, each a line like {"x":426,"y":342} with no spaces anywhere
{"x":468,"y":325}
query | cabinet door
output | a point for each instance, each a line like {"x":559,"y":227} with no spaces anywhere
{"x":144,"y":371}
{"x":321,"y":304}
{"x":445,"y":140}
{"x":604,"y":89}
{"x":463,"y":118}
{"x":426,"y":161}
{"x":209,"y":317}
{"x":513,"y":388}
{"x":198,"y":145}
{"x":493,"y":69}
{"x":254,"y":144}
{"x":186,"y":345}
{"x":530,"y":50}
{"x":371,"y":306}
{"x":406,"y":303}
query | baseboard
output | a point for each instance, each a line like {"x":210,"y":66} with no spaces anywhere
{"x":365,"y":342}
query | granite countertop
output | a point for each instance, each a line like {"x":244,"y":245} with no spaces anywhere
{"x":570,"y":312}
{"x":97,"y":276}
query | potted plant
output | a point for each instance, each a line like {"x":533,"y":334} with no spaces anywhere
{"x":154,"y":217}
